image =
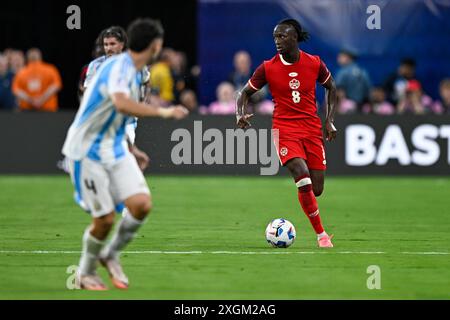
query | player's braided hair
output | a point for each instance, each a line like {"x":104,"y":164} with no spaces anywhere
{"x":302,"y":35}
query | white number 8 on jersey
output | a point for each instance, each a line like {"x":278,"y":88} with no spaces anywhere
{"x":296,"y":96}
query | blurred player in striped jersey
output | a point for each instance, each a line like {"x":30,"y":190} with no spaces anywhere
{"x":292,"y":75}
{"x":113,"y":41}
{"x":97,"y":52}
{"x":103,"y":171}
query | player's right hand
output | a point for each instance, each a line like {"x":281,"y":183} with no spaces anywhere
{"x":243,"y":121}
{"x":179,"y":112}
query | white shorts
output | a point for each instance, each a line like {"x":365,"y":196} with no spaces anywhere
{"x":102,"y":189}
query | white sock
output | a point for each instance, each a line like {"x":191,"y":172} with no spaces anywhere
{"x":321,"y":235}
{"x":125,"y":232}
{"x":90,"y":253}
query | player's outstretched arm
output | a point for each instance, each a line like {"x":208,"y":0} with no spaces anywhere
{"x":242,"y":118}
{"x":330,"y":92}
{"x":128,"y":106}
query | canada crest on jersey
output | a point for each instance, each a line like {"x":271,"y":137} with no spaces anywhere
{"x":294,"y":84}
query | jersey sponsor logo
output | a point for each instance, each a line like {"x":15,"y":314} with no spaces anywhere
{"x":284,"y":151}
{"x":294,"y":84}
{"x":293,"y":74}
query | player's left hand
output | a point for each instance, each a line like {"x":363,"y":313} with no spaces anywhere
{"x":141,"y":157}
{"x":331,"y":131}
{"x":243,"y":121}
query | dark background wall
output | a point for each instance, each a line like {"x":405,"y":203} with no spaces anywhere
{"x":32,"y":144}
{"x":29,"y":23}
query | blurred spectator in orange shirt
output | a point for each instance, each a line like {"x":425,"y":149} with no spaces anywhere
{"x":36,"y":86}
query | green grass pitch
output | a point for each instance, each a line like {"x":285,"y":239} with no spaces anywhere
{"x":399,"y":224}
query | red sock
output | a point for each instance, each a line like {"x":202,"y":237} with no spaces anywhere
{"x":309,"y":203}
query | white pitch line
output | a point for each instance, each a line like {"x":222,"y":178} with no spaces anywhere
{"x":37,"y":252}
{"x":427,"y":253}
{"x":275,"y":252}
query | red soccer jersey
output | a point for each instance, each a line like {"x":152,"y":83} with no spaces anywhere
{"x":293,"y":88}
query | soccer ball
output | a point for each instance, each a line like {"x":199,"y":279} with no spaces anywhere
{"x":280,"y":233}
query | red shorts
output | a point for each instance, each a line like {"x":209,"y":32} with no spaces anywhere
{"x":307,"y":147}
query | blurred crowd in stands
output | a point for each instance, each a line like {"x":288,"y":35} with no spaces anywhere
{"x":171,"y":81}
{"x":29,"y":83}
{"x":400,"y":93}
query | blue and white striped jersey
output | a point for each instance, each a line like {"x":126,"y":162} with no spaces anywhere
{"x":98,"y":131}
{"x":93,"y":68}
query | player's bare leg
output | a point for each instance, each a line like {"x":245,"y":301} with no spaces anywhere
{"x":318,"y":181}
{"x":307,"y":198}
{"x":93,"y":242}
{"x":139,"y":207}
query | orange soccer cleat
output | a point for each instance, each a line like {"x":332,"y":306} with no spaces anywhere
{"x":118,"y":277}
{"x":91,"y":282}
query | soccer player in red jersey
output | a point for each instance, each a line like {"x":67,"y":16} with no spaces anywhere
{"x":292,"y":75}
